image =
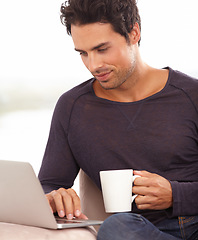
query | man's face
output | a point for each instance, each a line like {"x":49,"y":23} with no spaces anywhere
{"x":106,"y":53}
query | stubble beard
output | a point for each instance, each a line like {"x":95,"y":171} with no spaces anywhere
{"x":118,"y":79}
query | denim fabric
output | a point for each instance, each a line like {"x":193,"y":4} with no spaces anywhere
{"x":185,"y":228}
{"x":129,"y":226}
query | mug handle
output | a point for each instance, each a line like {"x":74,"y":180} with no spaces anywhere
{"x":134,"y":196}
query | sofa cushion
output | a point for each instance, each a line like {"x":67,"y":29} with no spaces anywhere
{"x":10,"y":231}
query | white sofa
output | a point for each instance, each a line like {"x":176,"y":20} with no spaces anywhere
{"x":92,"y":206}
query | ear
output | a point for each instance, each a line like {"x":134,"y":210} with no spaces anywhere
{"x":135,"y":34}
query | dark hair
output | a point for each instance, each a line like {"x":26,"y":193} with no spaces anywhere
{"x":121,"y":14}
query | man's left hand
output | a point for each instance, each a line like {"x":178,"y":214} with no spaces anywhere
{"x":154,"y":192}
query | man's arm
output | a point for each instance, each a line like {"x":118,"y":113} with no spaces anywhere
{"x":59,"y":167}
{"x":185,"y":195}
{"x":157,"y":193}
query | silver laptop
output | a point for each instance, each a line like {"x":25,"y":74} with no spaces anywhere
{"x":22,"y":199}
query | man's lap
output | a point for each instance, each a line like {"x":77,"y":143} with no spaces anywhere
{"x":130,"y":226}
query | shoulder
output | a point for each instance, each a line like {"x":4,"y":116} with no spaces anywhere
{"x":67,"y":100}
{"x":187,"y":84}
{"x":182,"y":80}
{"x":76,"y":92}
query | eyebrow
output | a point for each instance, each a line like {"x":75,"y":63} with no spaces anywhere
{"x":94,"y":48}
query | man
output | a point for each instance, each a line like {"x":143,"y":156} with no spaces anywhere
{"x":129,"y":115}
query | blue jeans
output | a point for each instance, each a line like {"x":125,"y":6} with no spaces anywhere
{"x":130,"y":226}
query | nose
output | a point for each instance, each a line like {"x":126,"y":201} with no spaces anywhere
{"x":94,"y":62}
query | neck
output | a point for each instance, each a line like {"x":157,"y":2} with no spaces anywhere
{"x":144,"y":82}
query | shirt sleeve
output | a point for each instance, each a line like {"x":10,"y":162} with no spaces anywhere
{"x":59,"y":168}
{"x":185,"y":195}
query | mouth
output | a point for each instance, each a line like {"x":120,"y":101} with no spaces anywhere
{"x":103,"y":76}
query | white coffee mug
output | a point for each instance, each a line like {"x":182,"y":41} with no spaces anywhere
{"x":117,"y":189}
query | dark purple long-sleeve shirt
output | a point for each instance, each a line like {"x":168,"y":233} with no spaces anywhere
{"x":158,"y":134}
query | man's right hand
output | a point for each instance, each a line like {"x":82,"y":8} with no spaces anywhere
{"x":65,"y":202}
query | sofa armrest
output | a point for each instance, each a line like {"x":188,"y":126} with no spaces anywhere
{"x":91,"y":199}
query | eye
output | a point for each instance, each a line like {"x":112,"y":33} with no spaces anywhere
{"x":102,"y":49}
{"x":83,"y":53}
